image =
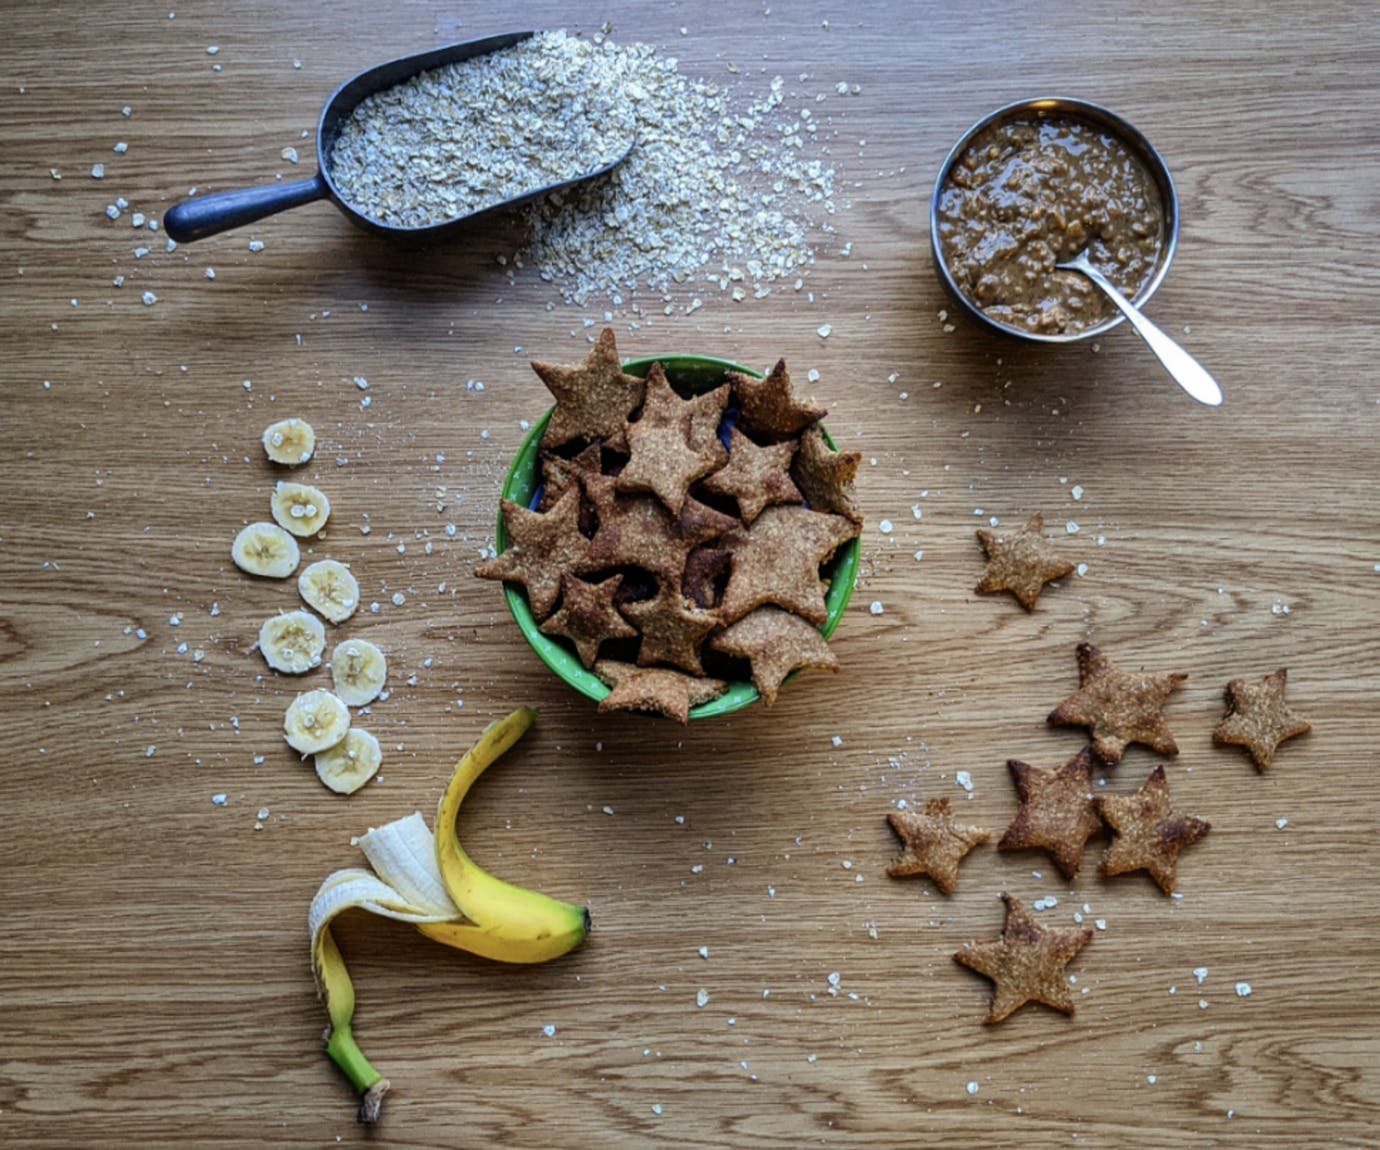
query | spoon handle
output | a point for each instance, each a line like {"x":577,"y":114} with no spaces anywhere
{"x":203,"y":216}
{"x":1188,"y":373}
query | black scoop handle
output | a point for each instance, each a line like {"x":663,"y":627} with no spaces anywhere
{"x":204,"y":216}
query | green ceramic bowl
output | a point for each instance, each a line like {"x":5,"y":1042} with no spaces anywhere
{"x":695,"y":373}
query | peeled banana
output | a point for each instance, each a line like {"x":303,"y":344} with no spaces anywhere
{"x":358,"y":670}
{"x":429,"y":881}
{"x":292,"y":642}
{"x":265,"y":549}
{"x":300,"y":508}
{"x":351,"y":763}
{"x":331,"y":588}
{"x":314,"y":721}
{"x":289,"y":441}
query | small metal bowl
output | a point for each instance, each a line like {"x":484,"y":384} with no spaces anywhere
{"x":1113,"y":124}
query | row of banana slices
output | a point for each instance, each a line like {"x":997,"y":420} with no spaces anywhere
{"x":317,"y":722}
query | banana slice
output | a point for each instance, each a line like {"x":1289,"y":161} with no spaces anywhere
{"x":330,"y":588}
{"x":266,"y":549}
{"x":351,"y":763}
{"x":314,"y":721}
{"x":289,"y":441}
{"x":358,"y":670}
{"x":300,"y":508}
{"x":292,"y":642}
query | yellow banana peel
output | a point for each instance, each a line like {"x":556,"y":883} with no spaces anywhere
{"x":429,"y":881}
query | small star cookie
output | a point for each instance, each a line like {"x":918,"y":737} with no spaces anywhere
{"x":672,"y":629}
{"x":933,"y":843}
{"x":775,"y":643}
{"x":1258,"y":718}
{"x":655,"y":689}
{"x":593,"y":399}
{"x":1118,"y":707}
{"x":1021,"y":563}
{"x":777,"y":559}
{"x":756,"y":476}
{"x":542,"y":547}
{"x":826,"y":476}
{"x":660,"y":458}
{"x":769,"y":406}
{"x":1057,"y":813}
{"x":1149,"y":833}
{"x":587,"y":616}
{"x":1025,"y":964}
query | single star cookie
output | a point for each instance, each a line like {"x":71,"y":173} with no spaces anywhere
{"x":933,"y":844}
{"x":826,"y":476}
{"x":672,"y":629}
{"x":660,"y":458}
{"x":593,"y":399}
{"x":654,"y":689}
{"x":755,"y":476}
{"x":1025,"y":964}
{"x":1149,"y":833}
{"x":1057,"y":813}
{"x":769,"y":406}
{"x":1258,"y":718}
{"x":587,"y":616}
{"x":1118,"y":707}
{"x":706,"y":411}
{"x":777,"y":559}
{"x":1021,"y":563}
{"x":775,"y":643}
{"x":542,"y":547}
{"x":638,"y":531}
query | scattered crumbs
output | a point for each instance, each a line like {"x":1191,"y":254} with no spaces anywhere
{"x":1200,"y":973}
{"x":973,"y":1087}
{"x":1281,"y":823}
{"x":656,"y":1108}
{"x":1076,"y":491}
{"x":1202,"y":1004}
{"x":1152,"y":1078}
{"x":837,"y":740}
{"x":1243,"y":990}
{"x":1082,"y":569}
{"x":824,"y":330}
{"x":876,"y":608}
{"x":1071,"y":527}
{"x":289,"y":154}
{"x":213,"y":50}
{"x":549,"y":1030}
{"x":150,"y":751}
{"x":702,"y":998}
{"x":703,"y":952}
{"x":965,"y":780}
{"x":149,"y":299}
{"x":608,"y":810}
{"x":1100,"y":923}
{"x":811,"y":1058}
{"x":210,"y":273}
{"x":398,"y":599}
{"x":813,"y":375}
{"x":98,"y":171}
{"x":220,"y":799}
{"x":256,"y":245}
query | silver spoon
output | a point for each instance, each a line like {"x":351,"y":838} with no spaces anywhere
{"x":1188,"y":373}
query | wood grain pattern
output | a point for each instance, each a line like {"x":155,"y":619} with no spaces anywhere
{"x":154,"y":983}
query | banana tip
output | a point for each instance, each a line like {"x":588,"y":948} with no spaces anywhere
{"x":372,"y":1102}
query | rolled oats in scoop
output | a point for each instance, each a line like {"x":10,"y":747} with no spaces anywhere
{"x":465,"y":136}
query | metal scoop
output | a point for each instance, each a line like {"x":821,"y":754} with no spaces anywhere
{"x":203,"y":216}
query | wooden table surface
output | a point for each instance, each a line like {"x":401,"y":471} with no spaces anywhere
{"x":154,"y":980}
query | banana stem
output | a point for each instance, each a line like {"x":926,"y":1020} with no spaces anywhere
{"x":346,"y":1054}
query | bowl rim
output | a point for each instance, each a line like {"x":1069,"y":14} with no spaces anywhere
{"x":520,"y":485}
{"x":1103,"y":117}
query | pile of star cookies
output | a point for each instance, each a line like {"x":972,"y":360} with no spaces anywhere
{"x":1059,"y":811}
{"x":676,"y":538}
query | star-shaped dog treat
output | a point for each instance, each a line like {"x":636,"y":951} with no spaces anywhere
{"x":672,"y":629}
{"x":756,"y":476}
{"x":1149,"y":832}
{"x":587,"y":616}
{"x":933,"y":844}
{"x":637,"y":531}
{"x":593,"y":399}
{"x":1026,"y":964}
{"x":826,"y":476}
{"x":769,"y":406}
{"x":542,"y":548}
{"x":660,"y":458}
{"x":1118,"y":707}
{"x":775,"y":643}
{"x":655,"y":689}
{"x":1258,"y":718}
{"x":1057,"y":813}
{"x":777,"y":561}
{"x":706,"y":410}
{"x":1021,"y":563}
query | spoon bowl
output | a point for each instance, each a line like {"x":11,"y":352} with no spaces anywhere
{"x":207,"y":215}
